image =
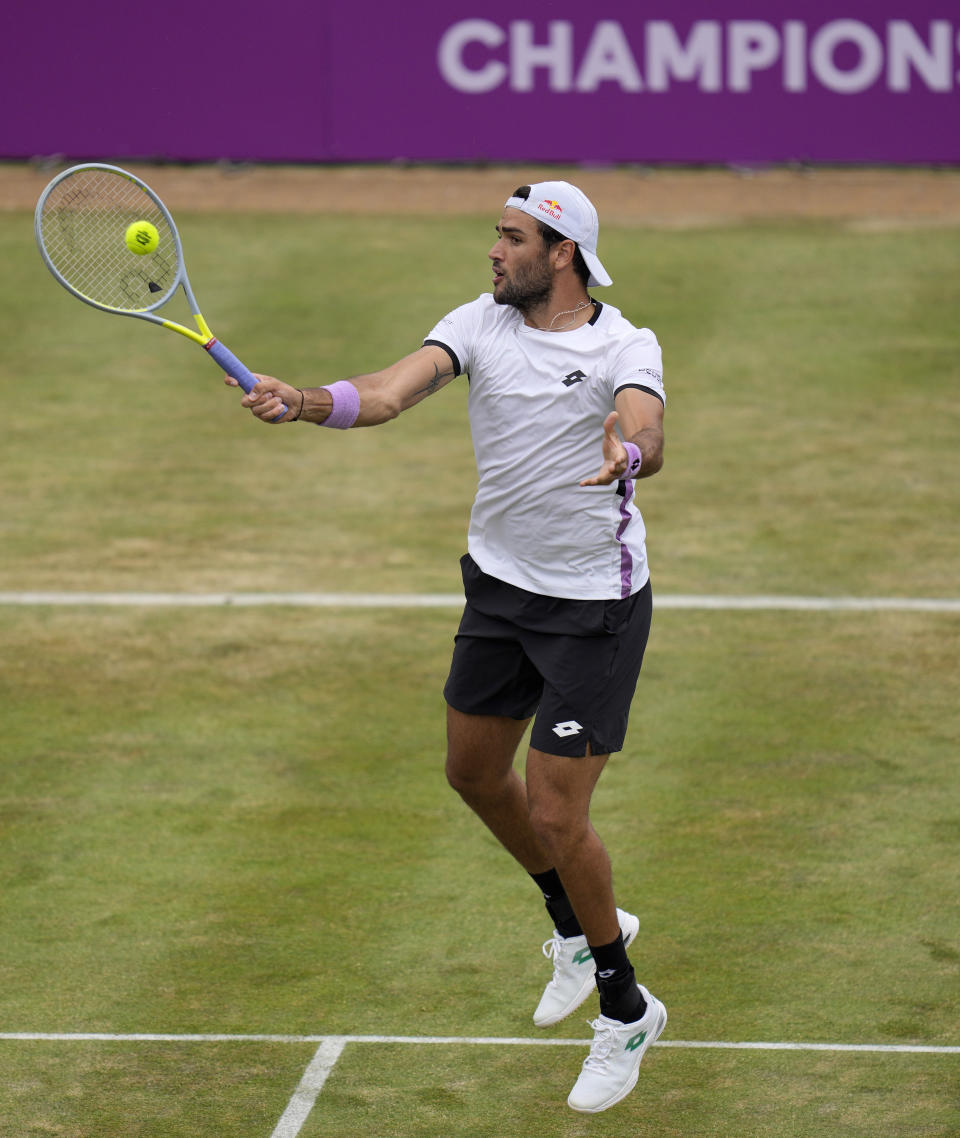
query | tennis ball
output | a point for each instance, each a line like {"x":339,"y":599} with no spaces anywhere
{"x":141,"y":237}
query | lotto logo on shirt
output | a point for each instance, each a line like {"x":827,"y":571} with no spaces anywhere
{"x":554,"y":209}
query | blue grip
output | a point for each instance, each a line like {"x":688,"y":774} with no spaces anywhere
{"x":233,"y":367}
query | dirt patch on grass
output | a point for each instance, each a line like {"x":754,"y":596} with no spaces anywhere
{"x":634,"y":196}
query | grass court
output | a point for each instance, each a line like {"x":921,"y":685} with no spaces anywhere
{"x":232,"y":822}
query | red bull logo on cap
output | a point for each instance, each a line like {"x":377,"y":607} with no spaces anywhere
{"x":554,"y":209}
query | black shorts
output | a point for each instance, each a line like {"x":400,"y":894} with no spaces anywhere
{"x":573,"y":663}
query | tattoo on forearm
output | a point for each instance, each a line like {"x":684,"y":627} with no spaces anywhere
{"x":438,"y":378}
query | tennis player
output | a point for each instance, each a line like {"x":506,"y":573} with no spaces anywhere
{"x":558,"y":598}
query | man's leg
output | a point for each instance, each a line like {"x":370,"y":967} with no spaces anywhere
{"x":480,"y":757}
{"x":631,"y":1018}
{"x":480,"y":753}
{"x":559,"y":790}
{"x":544,"y":823}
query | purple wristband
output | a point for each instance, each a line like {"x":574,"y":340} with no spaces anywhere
{"x":346,"y":405}
{"x":634,"y":462}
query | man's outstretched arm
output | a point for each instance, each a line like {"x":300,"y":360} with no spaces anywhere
{"x":376,"y":397}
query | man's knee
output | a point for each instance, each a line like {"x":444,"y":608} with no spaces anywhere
{"x":465,"y":750}
{"x":476,"y":773}
{"x":480,"y":751}
{"x":461,"y":773}
{"x":560,"y":790}
{"x":557,"y":824}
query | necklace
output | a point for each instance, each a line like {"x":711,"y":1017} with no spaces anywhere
{"x":571,"y":312}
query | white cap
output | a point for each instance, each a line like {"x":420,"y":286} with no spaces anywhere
{"x":569,"y":211}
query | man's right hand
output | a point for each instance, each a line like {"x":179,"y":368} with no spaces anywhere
{"x":268,"y":398}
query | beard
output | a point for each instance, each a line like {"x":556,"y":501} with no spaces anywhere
{"x":529,"y":287}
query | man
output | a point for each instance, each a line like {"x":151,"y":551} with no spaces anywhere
{"x":557,"y":589}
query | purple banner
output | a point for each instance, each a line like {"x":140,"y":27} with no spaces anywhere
{"x":441,"y":81}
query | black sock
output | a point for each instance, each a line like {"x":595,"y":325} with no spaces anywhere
{"x":558,"y":903}
{"x":620,"y":997}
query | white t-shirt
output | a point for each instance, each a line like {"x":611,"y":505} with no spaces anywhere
{"x":537,"y":404}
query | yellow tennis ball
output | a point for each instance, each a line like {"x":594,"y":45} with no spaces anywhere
{"x":141,"y":237}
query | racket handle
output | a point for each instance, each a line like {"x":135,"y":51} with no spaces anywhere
{"x":222,"y":355}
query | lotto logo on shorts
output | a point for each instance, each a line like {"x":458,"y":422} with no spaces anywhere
{"x":565,"y":730}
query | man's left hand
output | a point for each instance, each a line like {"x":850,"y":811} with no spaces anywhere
{"x":614,"y":455}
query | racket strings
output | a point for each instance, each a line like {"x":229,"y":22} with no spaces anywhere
{"x":82,"y":228}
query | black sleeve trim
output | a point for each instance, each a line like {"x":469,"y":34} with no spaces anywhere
{"x":457,"y":369}
{"x":640,"y":387}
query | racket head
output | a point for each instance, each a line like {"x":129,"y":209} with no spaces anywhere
{"x":80,"y":225}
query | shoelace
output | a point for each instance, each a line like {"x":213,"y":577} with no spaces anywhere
{"x":603,"y":1041}
{"x":552,"y":950}
{"x":552,"y":947}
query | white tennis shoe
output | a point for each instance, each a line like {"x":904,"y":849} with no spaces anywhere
{"x":574,"y":972}
{"x":610,"y":1071}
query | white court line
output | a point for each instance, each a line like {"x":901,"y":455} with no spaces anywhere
{"x":302,"y":1100}
{"x":331,"y":1047}
{"x":464,"y":1040}
{"x":455,"y":600}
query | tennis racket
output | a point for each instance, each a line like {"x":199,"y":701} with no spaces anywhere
{"x":81,"y":225}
